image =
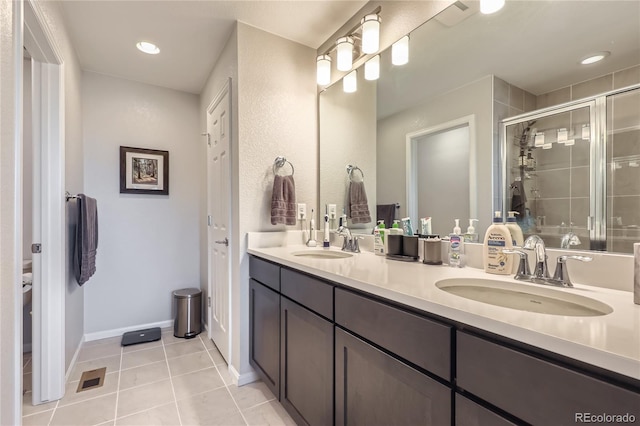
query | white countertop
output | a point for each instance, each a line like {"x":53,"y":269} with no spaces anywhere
{"x":611,"y":341}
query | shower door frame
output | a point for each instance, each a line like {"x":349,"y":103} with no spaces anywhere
{"x":597,"y":219}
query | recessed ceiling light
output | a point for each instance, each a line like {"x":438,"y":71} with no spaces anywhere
{"x":146,"y":47}
{"x":594,"y":57}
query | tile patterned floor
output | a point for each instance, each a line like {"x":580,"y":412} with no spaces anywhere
{"x":173,"y":381}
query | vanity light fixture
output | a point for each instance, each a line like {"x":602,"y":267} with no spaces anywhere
{"x":344,"y":47}
{"x":323,"y":69}
{"x":370,"y":33}
{"x":372,"y":68}
{"x":488,"y":7}
{"x":400,"y":51}
{"x":350,"y":82}
{"x":146,"y":47}
{"x":594,"y":57}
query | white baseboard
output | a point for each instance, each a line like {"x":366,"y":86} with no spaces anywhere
{"x":243,"y":379}
{"x":73,"y":360}
{"x":120,"y":331}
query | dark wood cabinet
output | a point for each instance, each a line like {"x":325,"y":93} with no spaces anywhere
{"x":536,"y":390}
{"x":306,"y":365}
{"x":468,"y":413}
{"x":374,"y":388}
{"x":264,"y":331}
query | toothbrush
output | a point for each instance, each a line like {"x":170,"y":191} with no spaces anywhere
{"x":326,"y":243}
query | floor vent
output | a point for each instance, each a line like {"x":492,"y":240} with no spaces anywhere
{"x":91,"y":379}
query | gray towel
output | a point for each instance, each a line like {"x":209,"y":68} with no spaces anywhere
{"x":86,"y":239}
{"x":283,"y":200}
{"x":358,"y":206}
{"x":386,"y":212}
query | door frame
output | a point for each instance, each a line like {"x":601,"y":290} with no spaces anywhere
{"x":412,"y":169}
{"x":225,"y":90}
{"x":48,"y":300}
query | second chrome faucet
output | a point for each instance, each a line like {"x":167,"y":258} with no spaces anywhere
{"x":540,"y":274}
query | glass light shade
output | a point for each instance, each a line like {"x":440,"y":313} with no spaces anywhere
{"x":146,"y":47}
{"x":370,"y":34}
{"x":344,"y":46}
{"x":490,"y":6}
{"x":372,"y":68}
{"x":323,"y":69}
{"x":400,"y":51}
{"x":596,"y":57}
{"x":350,"y":82}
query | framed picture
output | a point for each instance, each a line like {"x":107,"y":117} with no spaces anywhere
{"x":144,"y":171}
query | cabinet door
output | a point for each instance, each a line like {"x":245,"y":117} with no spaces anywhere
{"x":468,"y":413}
{"x":373,"y":388}
{"x":264,"y":329}
{"x":306,"y":365}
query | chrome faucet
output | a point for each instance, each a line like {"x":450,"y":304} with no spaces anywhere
{"x":569,"y":239}
{"x":350,"y":242}
{"x":541,"y":272}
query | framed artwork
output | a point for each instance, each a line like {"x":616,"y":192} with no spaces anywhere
{"x":144,"y":171}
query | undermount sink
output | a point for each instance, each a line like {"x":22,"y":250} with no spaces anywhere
{"x":322,"y":254}
{"x":524,"y":298}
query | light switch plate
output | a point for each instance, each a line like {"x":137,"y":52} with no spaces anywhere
{"x":302,"y":211}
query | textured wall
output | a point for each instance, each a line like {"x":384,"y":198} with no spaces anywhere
{"x":475,"y":98}
{"x":149,"y":244}
{"x":277,"y":116}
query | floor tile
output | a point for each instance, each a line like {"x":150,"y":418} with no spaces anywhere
{"x":40,"y":419}
{"x":108,"y":340}
{"x":144,"y":375}
{"x":210,"y":408}
{"x":27,"y":382}
{"x":145,"y":397}
{"x":185,"y":348}
{"x":28,"y":408}
{"x":187,"y":364}
{"x":159,"y":416}
{"x":112,"y":363}
{"x":208,"y":343}
{"x":251,"y":394}
{"x":170,"y":339}
{"x":139,"y":358}
{"x":71,"y":396}
{"x":217,"y":357}
{"x":28,"y":366}
{"x":269,"y":413}
{"x":196,"y":382}
{"x":91,"y":412}
{"x":142,"y":346}
{"x":26,"y":358}
{"x":99,"y":351}
{"x":226,"y":376}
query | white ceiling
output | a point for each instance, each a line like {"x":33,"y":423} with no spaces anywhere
{"x":190,"y":34}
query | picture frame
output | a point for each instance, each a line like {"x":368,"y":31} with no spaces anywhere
{"x":144,"y":171}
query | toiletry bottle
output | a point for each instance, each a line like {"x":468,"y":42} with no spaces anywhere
{"x":455,"y":247}
{"x":496,"y":239}
{"x":471,"y":236}
{"x":407,"y":228}
{"x":514,"y":229}
{"x":425,"y":226}
{"x":378,"y":238}
{"x":395,"y":228}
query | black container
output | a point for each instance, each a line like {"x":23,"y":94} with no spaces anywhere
{"x":410,"y":245}
{"x":394,"y":244}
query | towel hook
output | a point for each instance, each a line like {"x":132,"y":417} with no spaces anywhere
{"x":351,"y":169}
{"x":280,"y":162}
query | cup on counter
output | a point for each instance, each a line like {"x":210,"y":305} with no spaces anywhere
{"x":410,"y":245}
{"x":394,"y":244}
{"x":432,"y":250}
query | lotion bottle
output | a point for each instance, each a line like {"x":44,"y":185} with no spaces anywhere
{"x":496,"y":239}
{"x":515,"y":230}
{"x":378,"y":239}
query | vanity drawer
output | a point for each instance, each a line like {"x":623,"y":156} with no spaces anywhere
{"x":424,"y":342}
{"x":312,"y":293}
{"x":535,"y":390}
{"x":266,"y":272}
{"x":468,"y":413}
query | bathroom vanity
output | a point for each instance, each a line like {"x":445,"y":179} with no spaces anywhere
{"x":367,"y":340}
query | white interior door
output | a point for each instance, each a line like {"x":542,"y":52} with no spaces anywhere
{"x":219,"y":219}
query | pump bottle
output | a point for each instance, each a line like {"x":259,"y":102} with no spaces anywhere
{"x":496,"y":239}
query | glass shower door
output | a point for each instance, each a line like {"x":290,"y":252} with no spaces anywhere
{"x":623,"y":171}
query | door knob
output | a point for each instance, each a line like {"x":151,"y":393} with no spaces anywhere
{"x":225,"y":241}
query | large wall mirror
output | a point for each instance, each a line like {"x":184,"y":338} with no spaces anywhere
{"x":427,"y":134}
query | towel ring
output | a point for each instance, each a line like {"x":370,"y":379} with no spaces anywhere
{"x":280,"y":162}
{"x":351,"y":169}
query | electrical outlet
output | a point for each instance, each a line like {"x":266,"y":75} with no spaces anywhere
{"x":332,"y":211}
{"x":302,"y":211}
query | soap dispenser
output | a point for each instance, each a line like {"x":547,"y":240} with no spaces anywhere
{"x":471,"y":236}
{"x":455,"y":246}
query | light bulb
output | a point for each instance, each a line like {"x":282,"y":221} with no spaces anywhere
{"x":490,"y":6}
{"x":372,"y":68}
{"x":400,"y":51}
{"x":146,"y":47}
{"x":344,"y":46}
{"x":350,"y":82}
{"x":323,"y":69}
{"x":370,"y":33}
